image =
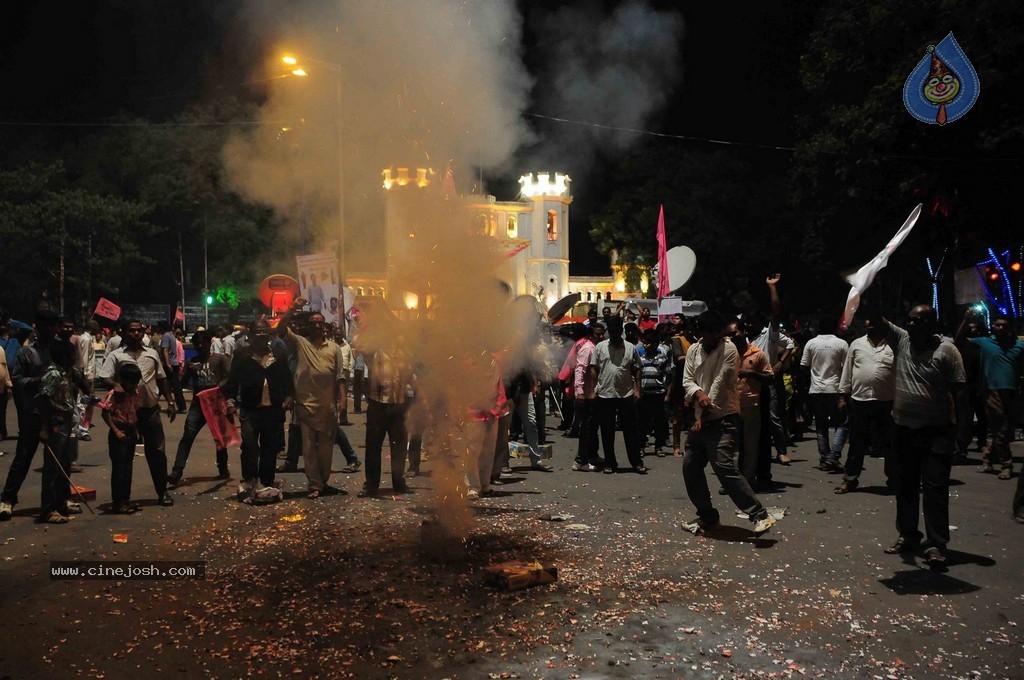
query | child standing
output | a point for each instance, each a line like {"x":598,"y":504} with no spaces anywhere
{"x":119,"y":413}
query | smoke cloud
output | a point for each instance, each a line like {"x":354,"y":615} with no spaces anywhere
{"x":411,"y":83}
{"x":419,"y":84}
{"x":613,"y":69}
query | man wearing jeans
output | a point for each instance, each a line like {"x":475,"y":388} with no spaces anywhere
{"x":1002,"y":360}
{"x":824,"y":356}
{"x":929,"y":373}
{"x":154,"y":383}
{"x":169,"y":356}
{"x":205,"y":371}
{"x":584,"y":398}
{"x":709,"y":379}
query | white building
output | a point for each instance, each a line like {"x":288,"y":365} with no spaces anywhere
{"x":535,"y":228}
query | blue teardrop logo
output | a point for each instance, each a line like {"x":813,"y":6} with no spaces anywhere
{"x":943,"y":86}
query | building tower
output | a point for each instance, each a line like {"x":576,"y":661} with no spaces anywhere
{"x":547,"y":229}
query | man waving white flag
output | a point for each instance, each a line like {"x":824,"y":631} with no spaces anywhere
{"x":863,"y":278}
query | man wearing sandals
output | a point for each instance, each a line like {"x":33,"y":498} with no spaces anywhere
{"x":709,"y":378}
{"x":866,"y":391}
{"x":929,"y":372}
{"x":319,"y":374}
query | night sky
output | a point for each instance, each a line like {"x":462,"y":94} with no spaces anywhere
{"x":80,"y":62}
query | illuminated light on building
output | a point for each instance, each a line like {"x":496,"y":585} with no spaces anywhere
{"x":645,"y":283}
{"x":412,"y":300}
{"x":400,"y":177}
{"x":543,"y":186}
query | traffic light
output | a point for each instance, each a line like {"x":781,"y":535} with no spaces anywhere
{"x":209,"y":298}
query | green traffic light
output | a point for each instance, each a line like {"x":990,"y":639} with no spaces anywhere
{"x":209,"y":299}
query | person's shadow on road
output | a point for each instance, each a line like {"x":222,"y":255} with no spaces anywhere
{"x":936,"y":580}
{"x":731,"y":534}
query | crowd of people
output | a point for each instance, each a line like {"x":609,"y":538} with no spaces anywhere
{"x":740,"y":387}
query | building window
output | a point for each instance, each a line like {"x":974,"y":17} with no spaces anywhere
{"x":380,"y":292}
{"x":362,"y":291}
{"x":590,"y":296}
{"x":552,"y":225}
{"x":510,"y":228}
{"x":371,"y":292}
{"x":598,"y":296}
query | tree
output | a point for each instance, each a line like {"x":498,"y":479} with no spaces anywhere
{"x":862,"y":162}
{"x":178,"y":171}
{"x":72,"y":242}
{"x":728,"y":206}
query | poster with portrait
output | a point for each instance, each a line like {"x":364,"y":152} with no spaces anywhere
{"x":319,"y":284}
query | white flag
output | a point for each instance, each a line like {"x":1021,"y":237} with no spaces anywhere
{"x":863,"y":278}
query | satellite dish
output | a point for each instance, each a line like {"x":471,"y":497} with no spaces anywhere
{"x":682,"y":262}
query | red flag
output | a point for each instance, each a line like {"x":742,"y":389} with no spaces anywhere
{"x":107,"y":310}
{"x":448,"y":183}
{"x":515,"y":251}
{"x":179,"y":316}
{"x":663,"y":289}
{"x":222,"y":428}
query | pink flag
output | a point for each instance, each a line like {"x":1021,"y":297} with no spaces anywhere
{"x":448,"y":183}
{"x":107,"y":310}
{"x":515,"y":251}
{"x":215,"y":409}
{"x":663,"y":290}
{"x":179,"y":316}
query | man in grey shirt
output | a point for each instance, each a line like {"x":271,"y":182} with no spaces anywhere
{"x":929,"y":372}
{"x":615,"y":370}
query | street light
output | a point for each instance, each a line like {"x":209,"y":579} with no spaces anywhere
{"x":292,"y":60}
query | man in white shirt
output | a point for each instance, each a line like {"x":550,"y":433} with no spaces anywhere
{"x":866,"y":391}
{"x":824,"y":356}
{"x":86,"y":350}
{"x":710,"y":382}
{"x":230,"y":341}
{"x":777,"y":346}
{"x":154,"y":384}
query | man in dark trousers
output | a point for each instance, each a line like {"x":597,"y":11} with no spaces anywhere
{"x":615,"y":370}
{"x":154,"y":384}
{"x":929,"y":373}
{"x":30,"y":363}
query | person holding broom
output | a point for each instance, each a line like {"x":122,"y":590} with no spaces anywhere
{"x":56,"y":402}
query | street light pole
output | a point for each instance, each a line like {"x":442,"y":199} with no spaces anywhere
{"x":206,"y":277}
{"x":297,"y":70}
{"x":341,"y":202}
